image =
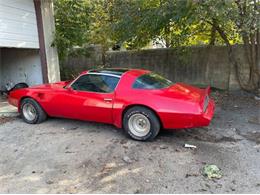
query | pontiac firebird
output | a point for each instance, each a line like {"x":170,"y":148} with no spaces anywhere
{"x":139,"y":101}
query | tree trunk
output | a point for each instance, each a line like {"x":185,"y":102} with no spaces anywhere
{"x":167,"y":36}
{"x":213,"y":33}
{"x":103,"y":55}
{"x":252,"y":84}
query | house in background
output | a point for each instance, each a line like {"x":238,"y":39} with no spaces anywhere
{"x":26,"y":34}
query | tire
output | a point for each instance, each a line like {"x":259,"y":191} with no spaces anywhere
{"x":32,"y":112}
{"x":141,"y":123}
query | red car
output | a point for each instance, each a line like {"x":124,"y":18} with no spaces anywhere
{"x":140,"y":101}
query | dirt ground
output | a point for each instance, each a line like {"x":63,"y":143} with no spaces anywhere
{"x":65,"y":156}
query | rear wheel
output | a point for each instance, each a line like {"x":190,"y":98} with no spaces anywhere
{"x":141,"y":123}
{"x":32,"y":112}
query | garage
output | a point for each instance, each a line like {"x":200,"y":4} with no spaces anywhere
{"x":20,"y":65}
{"x":26,"y":53}
{"x":26,"y":35}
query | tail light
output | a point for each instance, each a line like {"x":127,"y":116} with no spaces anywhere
{"x":206,"y":103}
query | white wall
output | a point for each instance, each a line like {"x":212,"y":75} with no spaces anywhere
{"x":21,"y":65}
{"x":18,"y":26}
{"x":51,"y":52}
{"x":0,"y":70}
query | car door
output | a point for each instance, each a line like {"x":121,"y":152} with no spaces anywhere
{"x":91,"y":97}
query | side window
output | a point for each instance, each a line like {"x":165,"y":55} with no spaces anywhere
{"x":95,"y":83}
{"x":151,"y":81}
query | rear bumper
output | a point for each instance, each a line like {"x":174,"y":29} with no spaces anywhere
{"x":207,"y":116}
{"x":181,"y":121}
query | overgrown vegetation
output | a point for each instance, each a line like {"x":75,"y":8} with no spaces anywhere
{"x":72,"y":20}
{"x":135,"y":24}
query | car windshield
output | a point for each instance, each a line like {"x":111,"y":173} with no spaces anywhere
{"x":151,"y":81}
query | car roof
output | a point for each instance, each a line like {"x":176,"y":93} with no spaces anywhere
{"x":118,"y":72}
{"x":112,"y":71}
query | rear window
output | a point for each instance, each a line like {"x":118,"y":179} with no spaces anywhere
{"x":151,"y":81}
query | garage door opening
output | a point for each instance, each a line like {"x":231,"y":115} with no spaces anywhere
{"x":26,"y":34}
{"x":19,"y":65}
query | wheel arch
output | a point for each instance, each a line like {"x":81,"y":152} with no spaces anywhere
{"x":140,"y":105}
{"x":24,"y":97}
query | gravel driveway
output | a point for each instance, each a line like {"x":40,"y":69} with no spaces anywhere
{"x":65,"y":156}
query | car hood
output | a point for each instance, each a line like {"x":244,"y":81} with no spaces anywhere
{"x":186,"y":92}
{"x":51,"y":85}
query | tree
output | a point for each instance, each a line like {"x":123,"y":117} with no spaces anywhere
{"x":72,"y":25}
{"x":80,"y":23}
{"x":101,"y":19}
{"x":171,"y":23}
{"x":192,"y":22}
{"x":243,"y":19}
{"x":140,"y":21}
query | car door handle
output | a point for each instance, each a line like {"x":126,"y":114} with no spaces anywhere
{"x":108,"y":99}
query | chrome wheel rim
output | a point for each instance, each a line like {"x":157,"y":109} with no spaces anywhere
{"x":29,"y":112}
{"x":139,"y":125}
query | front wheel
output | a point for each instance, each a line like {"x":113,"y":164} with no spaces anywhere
{"x":141,"y":123}
{"x":32,"y":112}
